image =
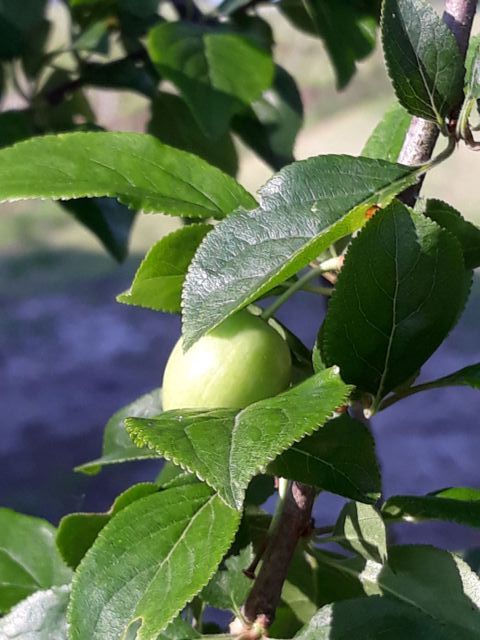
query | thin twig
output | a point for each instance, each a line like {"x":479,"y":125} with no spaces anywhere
{"x":422,"y":135}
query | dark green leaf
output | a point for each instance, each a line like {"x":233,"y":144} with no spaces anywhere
{"x":461,"y":505}
{"x":226,"y":448}
{"x":173,"y":123}
{"x":374,"y":618}
{"x":450,"y":219}
{"x":15,"y":126}
{"x":121,"y":74}
{"x":229,"y":587}
{"x":423,"y":59}
{"x":386,"y":140}
{"x":360,"y":528}
{"x":135,"y":168}
{"x":217,"y":71}
{"x":425,"y":590}
{"x":78,"y":531}
{"x":29,"y":560}
{"x":42,"y":616}
{"x":398,"y":295}
{"x":347,"y":29}
{"x":271,"y":125}
{"x":17,"y":25}
{"x":117,"y":446}
{"x":339,"y":458}
{"x":304,"y":209}
{"x":109,"y":220}
{"x":159,"y":279}
{"x":150,"y":560}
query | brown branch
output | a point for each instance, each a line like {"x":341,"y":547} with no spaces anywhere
{"x":294,"y":521}
{"x":422,"y":135}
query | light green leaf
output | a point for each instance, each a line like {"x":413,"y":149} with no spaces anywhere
{"x":271,"y":125}
{"x":398,"y":295}
{"x":459,"y":504}
{"x":229,"y":587}
{"x":173,"y":123}
{"x":360,"y":528}
{"x":217,"y":71}
{"x":159,"y":279}
{"x":149,"y":561}
{"x":386,"y":140}
{"x":304,"y":209}
{"x":472,"y":67}
{"x":42,"y":616}
{"x":339,"y":458}
{"x":78,"y":531}
{"x":29,"y":560}
{"x":135,"y":168}
{"x":226,"y":448}
{"x":467,"y":234}
{"x":423,"y":59}
{"x":117,"y":446}
{"x":348,"y":29}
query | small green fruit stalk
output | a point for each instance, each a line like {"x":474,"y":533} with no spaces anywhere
{"x":241,"y":361}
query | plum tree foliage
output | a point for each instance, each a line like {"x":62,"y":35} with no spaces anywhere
{"x":244,"y":400}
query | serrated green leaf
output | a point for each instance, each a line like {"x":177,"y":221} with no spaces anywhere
{"x":117,"y":446}
{"x":304,"y":209}
{"x":159,"y":279}
{"x":229,"y":587}
{"x":398,"y":295}
{"x":227,"y":448}
{"x":173,"y":123}
{"x":42,"y":616}
{"x":425,"y":588}
{"x":386,"y":140}
{"x":172,"y":476}
{"x":271,"y":125}
{"x":77,"y":531}
{"x":459,"y":504}
{"x":109,"y":220}
{"x":217,"y":71}
{"x":339,"y":458}
{"x":149,"y":561}
{"x":29,"y":560}
{"x":360,"y":528}
{"x":347,"y":29}
{"x":450,"y":219}
{"x":135,"y":168}
{"x":423,"y":59}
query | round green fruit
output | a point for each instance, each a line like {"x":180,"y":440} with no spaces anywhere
{"x":239,"y":362}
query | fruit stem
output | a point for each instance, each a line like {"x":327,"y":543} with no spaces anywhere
{"x":296,"y":286}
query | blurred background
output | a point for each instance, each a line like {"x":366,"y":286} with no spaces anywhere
{"x":70,"y":356}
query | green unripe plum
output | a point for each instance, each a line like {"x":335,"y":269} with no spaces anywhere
{"x":241,"y":361}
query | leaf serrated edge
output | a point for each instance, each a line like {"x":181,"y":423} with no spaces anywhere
{"x":101,"y":535}
{"x":334,"y":375}
{"x":385,"y":195}
{"x":137,"y":438}
{"x":204,"y":584}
